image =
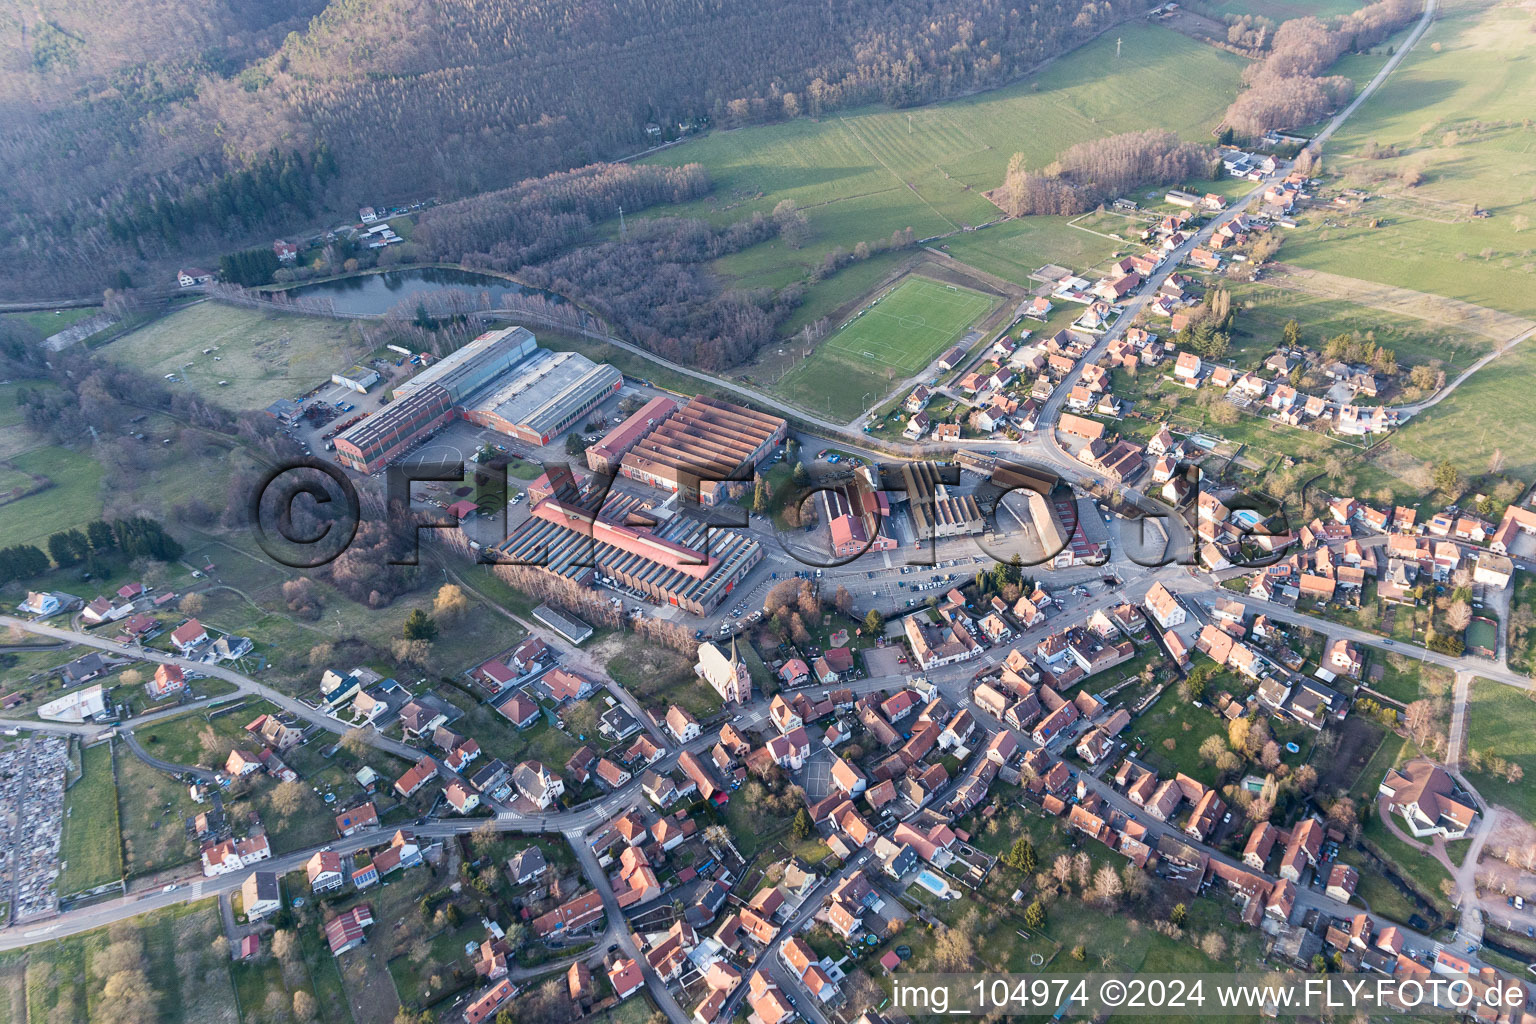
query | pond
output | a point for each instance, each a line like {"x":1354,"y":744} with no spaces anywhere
{"x":379,"y":293}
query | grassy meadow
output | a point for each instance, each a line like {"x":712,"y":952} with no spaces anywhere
{"x":1458,"y":113}
{"x":1501,"y":721}
{"x":1264,"y":310}
{"x":896,"y":336}
{"x":90,"y":847}
{"x":263,"y":356}
{"x":863,"y":174}
{"x":74,"y":498}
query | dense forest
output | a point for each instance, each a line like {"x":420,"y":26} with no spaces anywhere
{"x":142,"y":129}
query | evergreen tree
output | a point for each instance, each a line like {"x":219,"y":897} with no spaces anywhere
{"x":419,"y":626}
{"x":99,"y":532}
{"x":1292,"y":333}
{"x":1021,"y":855}
{"x":20,"y":562}
{"x":249,"y":267}
{"x":68,"y":547}
{"x":142,"y":537}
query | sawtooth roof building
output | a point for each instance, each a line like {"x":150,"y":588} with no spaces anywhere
{"x":604,"y":457}
{"x":502,"y":380}
{"x":677,"y":561}
{"x":935,"y":514}
{"x":699,"y":446}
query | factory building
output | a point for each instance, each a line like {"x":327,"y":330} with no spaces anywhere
{"x":701,"y":445}
{"x":604,"y":456}
{"x":548,"y":393}
{"x":501,"y":380}
{"x":677,"y":561}
{"x":935,"y":513}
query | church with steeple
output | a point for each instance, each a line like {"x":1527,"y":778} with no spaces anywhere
{"x":726,"y":673}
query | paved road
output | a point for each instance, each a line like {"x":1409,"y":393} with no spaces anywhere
{"x":626,"y":940}
{"x":574,"y":824}
{"x":90,"y":731}
{"x":770,"y":961}
{"x":1197,"y":588}
{"x":1404,"y":412}
{"x":1381,"y":76}
{"x":169,"y":767}
{"x":243,"y":682}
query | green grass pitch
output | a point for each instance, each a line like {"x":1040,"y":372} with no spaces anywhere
{"x":895,"y":336}
{"x":908,"y":326}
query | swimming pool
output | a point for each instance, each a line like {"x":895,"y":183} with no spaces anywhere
{"x":934,"y":884}
{"x":1247,"y":517}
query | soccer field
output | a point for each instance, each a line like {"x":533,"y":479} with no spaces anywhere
{"x":893,"y":337}
{"x":909,"y":325}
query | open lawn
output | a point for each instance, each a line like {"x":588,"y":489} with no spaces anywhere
{"x":179,"y":739}
{"x":1492,"y":410}
{"x":264,"y":356}
{"x":1264,"y":309}
{"x":861,"y":175}
{"x":1407,"y":679}
{"x":1169,"y":734}
{"x":152,"y":809}
{"x":286,"y":639}
{"x":825,"y":297}
{"x":91,"y":848}
{"x":52,"y":321}
{"x":18,"y":669}
{"x":1457,"y":110}
{"x":657,"y":677}
{"x":1501,"y":722}
{"x":1394,"y":750}
{"x":1016,"y":248}
{"x":909,"y":325}
{"x":1417,"y":865}
{"x":898,"y":334}
{"x":1275,"y":10}
{"x":73,"y":499}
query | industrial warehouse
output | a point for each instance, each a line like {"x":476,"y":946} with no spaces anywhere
{"x":693,"y":449}
{"x":674,"y":560}
{"x":502,"y":380}
{"x":935,"y":513}
{"x":604,"y":457}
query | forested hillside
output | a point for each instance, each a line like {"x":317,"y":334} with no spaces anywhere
{"x":138,"y":130}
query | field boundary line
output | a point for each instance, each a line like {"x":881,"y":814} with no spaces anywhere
{"x":892,"y":171}
{"x":1485,"y":321}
